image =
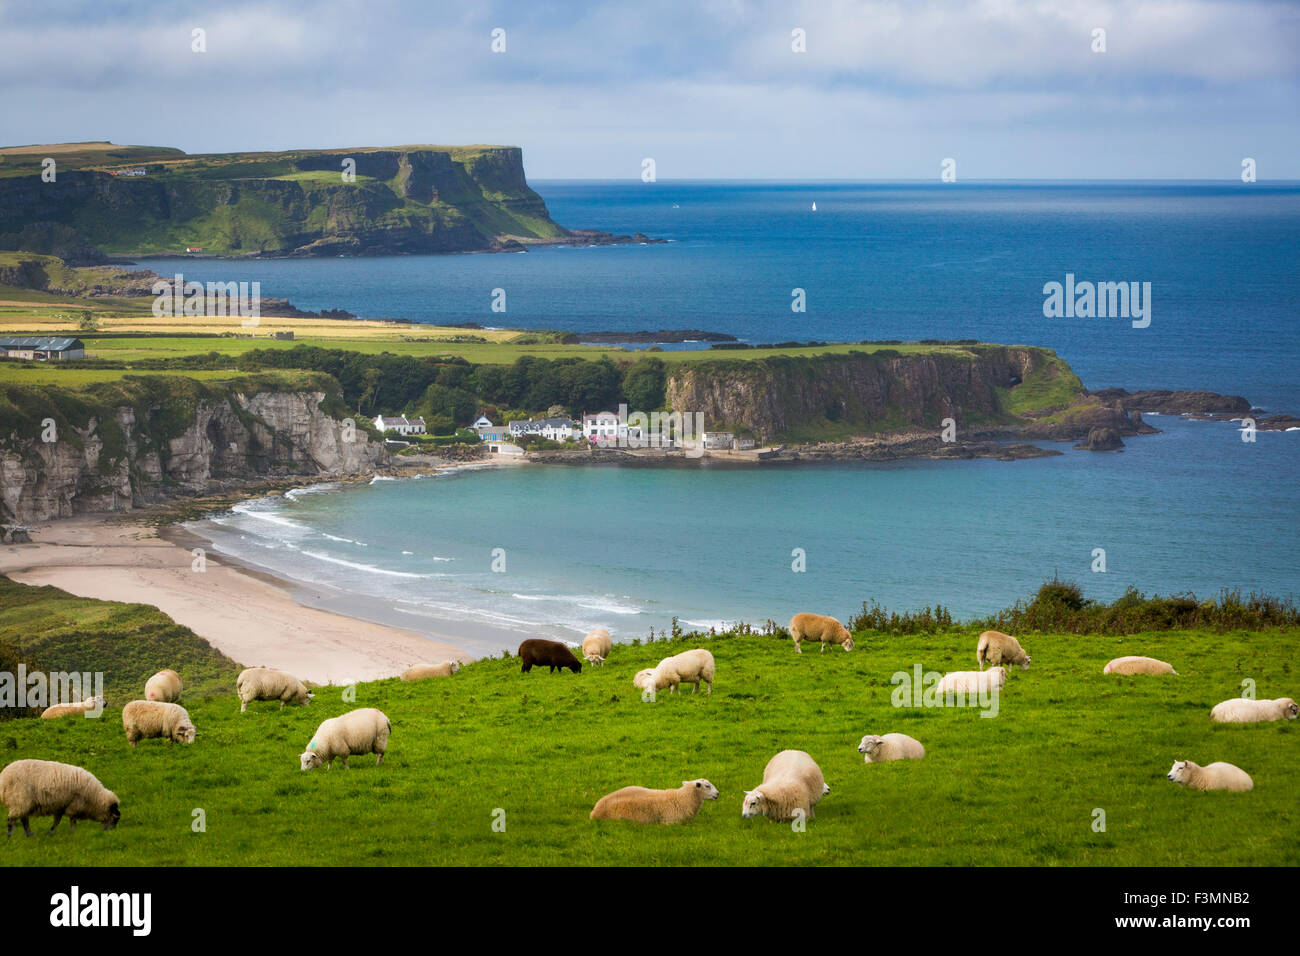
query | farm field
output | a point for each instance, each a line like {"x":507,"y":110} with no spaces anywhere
{"x":1022,"y":788}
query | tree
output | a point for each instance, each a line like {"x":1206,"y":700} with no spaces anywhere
{"x":644,"y":385}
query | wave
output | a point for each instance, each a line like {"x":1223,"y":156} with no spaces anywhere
{"x":592,"y":602}
{"x":293,"y":494}
{"x":371,"y":568}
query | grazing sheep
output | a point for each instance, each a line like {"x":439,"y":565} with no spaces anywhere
{"x":164,"y":686}
{"x":1138,"y":665}
{"x":266,"y":683}
{"x":42,"y":788}
{"x":818,"y":627}
{"x":596,"y":646}
{"x":792,"y":782}
{"x":81,"y":709}
{"x":1239,"y":710}
{"x":655,"y":806}
{"x":998,"y":648}
{"x":422,"y":671}
{"x":891,"y":747}
{"x":361,"y":731}
{"x":1216,"y":776}
{"x":972,"y":682}
{"x":688,"y":667}
{"x":154,"y":718}
{"x":550,"y":654}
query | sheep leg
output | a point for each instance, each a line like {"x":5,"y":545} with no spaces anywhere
{"x":58,"y":815}
{"x":380,"y":759}
{"x":282,"y":705}
{"x":345,"y":763}
{"x":9,"y":831}
{"x":823,"y":650}
{"x":710,"y":688}
{"x":27,"y":827}
{"x":72,"y":824}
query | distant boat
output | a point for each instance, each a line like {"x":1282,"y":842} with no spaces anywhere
{"x":814,"y":207}
{"x":675,"y":206}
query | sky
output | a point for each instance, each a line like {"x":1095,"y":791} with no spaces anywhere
{"x":1009,"y":89}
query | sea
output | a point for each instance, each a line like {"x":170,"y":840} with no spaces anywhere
{"x":553,"y":551}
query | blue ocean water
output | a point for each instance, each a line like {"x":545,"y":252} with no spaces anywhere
{"x":1192,"y":509}
{"x":880,"y":261}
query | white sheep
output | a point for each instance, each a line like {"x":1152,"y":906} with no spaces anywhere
{"x":596,"y":646}
{"x":1138,"y":665}
{"x":92,"y":708}
{"x":792,"y":786}
{"x":422,"y":671}
{"x":890,"y":747}
{"x":1240,"y":710}
{"x":972,"y":682}
{"x":42,"y":788}
{"x":1215,"y":776}
{"x":165,"y":686}
{"x":655,"y":806}
{"x":155,"y":718}
{"x":688,"y":667}
{"x":361,"y":731}
{"x":267,"y":683}
{"x":820,"y":628}
{"x":997,"y":648}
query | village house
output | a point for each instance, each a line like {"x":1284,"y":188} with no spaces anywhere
{"x":42,"y":348}
{"x":489,"y":432}
{"x":604,"y":428}
{"x":400,"y":424}
{"x":718,"y":441}
{"x":552,"y":429}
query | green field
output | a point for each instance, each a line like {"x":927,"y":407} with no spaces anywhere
{"x":1021,"y":788}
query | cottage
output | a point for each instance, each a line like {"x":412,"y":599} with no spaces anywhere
{"x":718,"y":441}
{"x":489,"y":432}
{"x":605,"y":428}
{"x":42,"y":348}
{"x":400,"y":424}
{"x":552,"y":429}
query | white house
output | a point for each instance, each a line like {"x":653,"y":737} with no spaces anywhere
{"x":718,"y":441}
{"x":604,"y":428}
{"x":552,"y":429}
{"x":400,"y":424}
{"x":489,"y":432}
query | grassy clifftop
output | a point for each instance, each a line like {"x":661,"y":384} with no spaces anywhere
{"x":146,"y":200}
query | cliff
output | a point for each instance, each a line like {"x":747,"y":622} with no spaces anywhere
{"x":120,"y":445}
{"x":407,"y":199}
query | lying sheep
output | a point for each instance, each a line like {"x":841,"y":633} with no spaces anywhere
{"x":655,"y":806}
{"x":972,"y":682}
{"x":153,"y":718}
{"x":164,"y":686}
{"x":1216,"y":776}
{"x":550,"y":654}
{"x":1138,"y":665}
{"x":688,"y":667}
{"x":42,"y":788}
{"x":1239,"y":710}
{"x":818,"y":627}
{"x":596,"y":646}
{"x":266,"y":683}
{"x":360,"y":731}
{"x":422,"y":671}
{"x":891,"y":747}
{"x":792,"y":786}
{"x":998,"y":648}
{"x":92,"y":707}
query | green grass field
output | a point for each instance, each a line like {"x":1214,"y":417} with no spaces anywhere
{"x":1020,"y":788}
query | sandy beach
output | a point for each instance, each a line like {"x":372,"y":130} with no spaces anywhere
{"x":249,"y":616}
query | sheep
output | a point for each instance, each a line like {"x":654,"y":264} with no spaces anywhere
{"x":154,"y":718}
{"x":890,"y":747}
{"x":423,"y":671}
{"x":655,"y":806}
{"x":1240,"y":710}
{"x":596,"y":646}
{"x":688,"y":667}
{"x":164,"y":686}
{"x":40,"y":788}
{"x":550,"y":654}
{"x":972,"y":682}
{"x":1138,"y":665}
{"x":86,"y":708}
{"x":998,"y":648}
{"x":818,"y":627}
{"x":359,"y":731}
{"x":792,"y":786}
{"x":1216,"y":776}
{"x":266,"y":683}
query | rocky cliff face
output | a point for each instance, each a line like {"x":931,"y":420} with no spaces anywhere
{"x":125,"y":460}
{"x":783,"y":397}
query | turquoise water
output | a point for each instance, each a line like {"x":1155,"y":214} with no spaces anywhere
{"x":629,"y":548}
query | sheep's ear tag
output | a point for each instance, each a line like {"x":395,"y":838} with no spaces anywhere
{"x":312,"y":745}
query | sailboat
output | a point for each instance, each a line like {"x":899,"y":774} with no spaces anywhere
{"x":814,"y":207}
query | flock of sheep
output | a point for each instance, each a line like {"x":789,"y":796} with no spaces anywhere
{"x":792,"y":782}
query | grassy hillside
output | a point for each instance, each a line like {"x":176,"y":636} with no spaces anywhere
{"x":1020,"y":788}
